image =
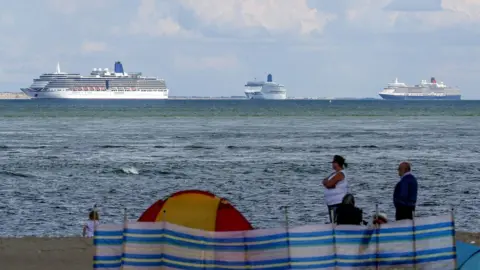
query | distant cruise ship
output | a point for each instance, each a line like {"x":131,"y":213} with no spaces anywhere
{"x":265,"y":90}
{"x":423,"y":91}
{"x":100,"y":84}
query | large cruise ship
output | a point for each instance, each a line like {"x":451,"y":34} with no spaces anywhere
{"x":100,"y":84}
{"x":423,"y":91}
{"x":265,"y":90}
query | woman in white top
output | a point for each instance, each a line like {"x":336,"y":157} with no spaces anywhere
{"x":90,"y":225}
{"x":336,"y":185}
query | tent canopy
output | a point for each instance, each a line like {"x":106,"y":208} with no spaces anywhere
{"x":468,"y":256}
{"x":199,"y":210}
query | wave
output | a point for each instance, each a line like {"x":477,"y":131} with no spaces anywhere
{"x":127,"y":170}
{"x":196,"y":146}
{"x":233,"y":147}
{"x":226,"y":135}
{"x":5,"y":147}
{"x":107,"y":146}
{"x":8,"y":173}
{"x":367,"y":146}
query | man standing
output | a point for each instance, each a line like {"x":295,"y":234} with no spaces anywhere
{"x":405,"y":194}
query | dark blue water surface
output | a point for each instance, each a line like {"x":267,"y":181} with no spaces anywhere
{"x":58,"y":158}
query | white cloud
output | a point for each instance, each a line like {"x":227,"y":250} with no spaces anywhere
{"x":411,"y":16}
{"x":470,"y":9}
{"x":152,"y":22}
{"x":93,"y":46}
{"x":293,"y":16}
{"x":370,"y":15}
{"x":157,"y":27}
{"x":454,"y":13}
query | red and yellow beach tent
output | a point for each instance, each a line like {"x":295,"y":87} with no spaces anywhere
{"x":199,"y":210}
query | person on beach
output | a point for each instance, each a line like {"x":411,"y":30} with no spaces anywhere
{"x":405,"y":193}
{"x":336,"y":185}
{"x":89,"y":227}
{"x":347,"y":213}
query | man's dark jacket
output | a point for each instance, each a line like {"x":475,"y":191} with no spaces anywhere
{"x":405,"y":194}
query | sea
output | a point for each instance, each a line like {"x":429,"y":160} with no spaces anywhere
{"x":59,"y":158}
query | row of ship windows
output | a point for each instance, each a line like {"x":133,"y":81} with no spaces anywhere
{"x":94,"y":88}
{"x":268,"y":92}
{"x":52,"y":84}
{"x":422,"y":92}
{"x":102,"y":89}
{"x":103,"y":81}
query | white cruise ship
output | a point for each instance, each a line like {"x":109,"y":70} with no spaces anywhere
{"x":100,"y":84}
{"x":265,"y":90}
{"x":432,"y":90}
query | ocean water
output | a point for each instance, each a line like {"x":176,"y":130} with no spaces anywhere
{"x":58,"y":158}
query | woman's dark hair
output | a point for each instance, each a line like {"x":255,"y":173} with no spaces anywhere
{"x":340,"y":161}
{"x":93,"y":215}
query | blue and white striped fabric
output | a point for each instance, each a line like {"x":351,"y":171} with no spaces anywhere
{"x":398,"y":245}
{"x":108,"y":241}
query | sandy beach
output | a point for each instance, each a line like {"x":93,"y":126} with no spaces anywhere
{"x":76,"y":253}
{"x":469,"y":238}
{"x":31,"y":253}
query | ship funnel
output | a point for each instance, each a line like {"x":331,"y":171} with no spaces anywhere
{"x":432,"y":80}
{"x":269,"y":78}
{"x":118,"y":67}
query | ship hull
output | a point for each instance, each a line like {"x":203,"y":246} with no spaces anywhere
{"x":261,"y":95}
{"x":95,"y":94}
{"x":403,"y":97}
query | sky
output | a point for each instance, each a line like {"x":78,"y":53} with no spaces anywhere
{"x":316,"y":48}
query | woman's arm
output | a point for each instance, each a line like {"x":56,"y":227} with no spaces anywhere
{"x":333,"y":182}
{"x":326,"y":178}
{"x":84,"y":230}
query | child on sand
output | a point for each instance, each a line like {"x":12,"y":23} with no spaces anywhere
{"x":89,"y":227}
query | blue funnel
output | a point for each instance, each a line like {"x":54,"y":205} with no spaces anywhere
{"x":269,"y":78}
{"x":118,"y":67}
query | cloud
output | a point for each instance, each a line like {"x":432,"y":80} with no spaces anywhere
{"x":469,"y":8}
{"x":93,"y":46}
{"x":409,"y":16}
{"x":159,"y":27}
{"x":454,"y":13}
{"x":152,"y":19}
{"x":274,"y":16}
{"x":369,"y":16}
{"x":228,"y":18}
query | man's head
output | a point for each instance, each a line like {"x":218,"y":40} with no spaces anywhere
{"x":403,"y":168}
